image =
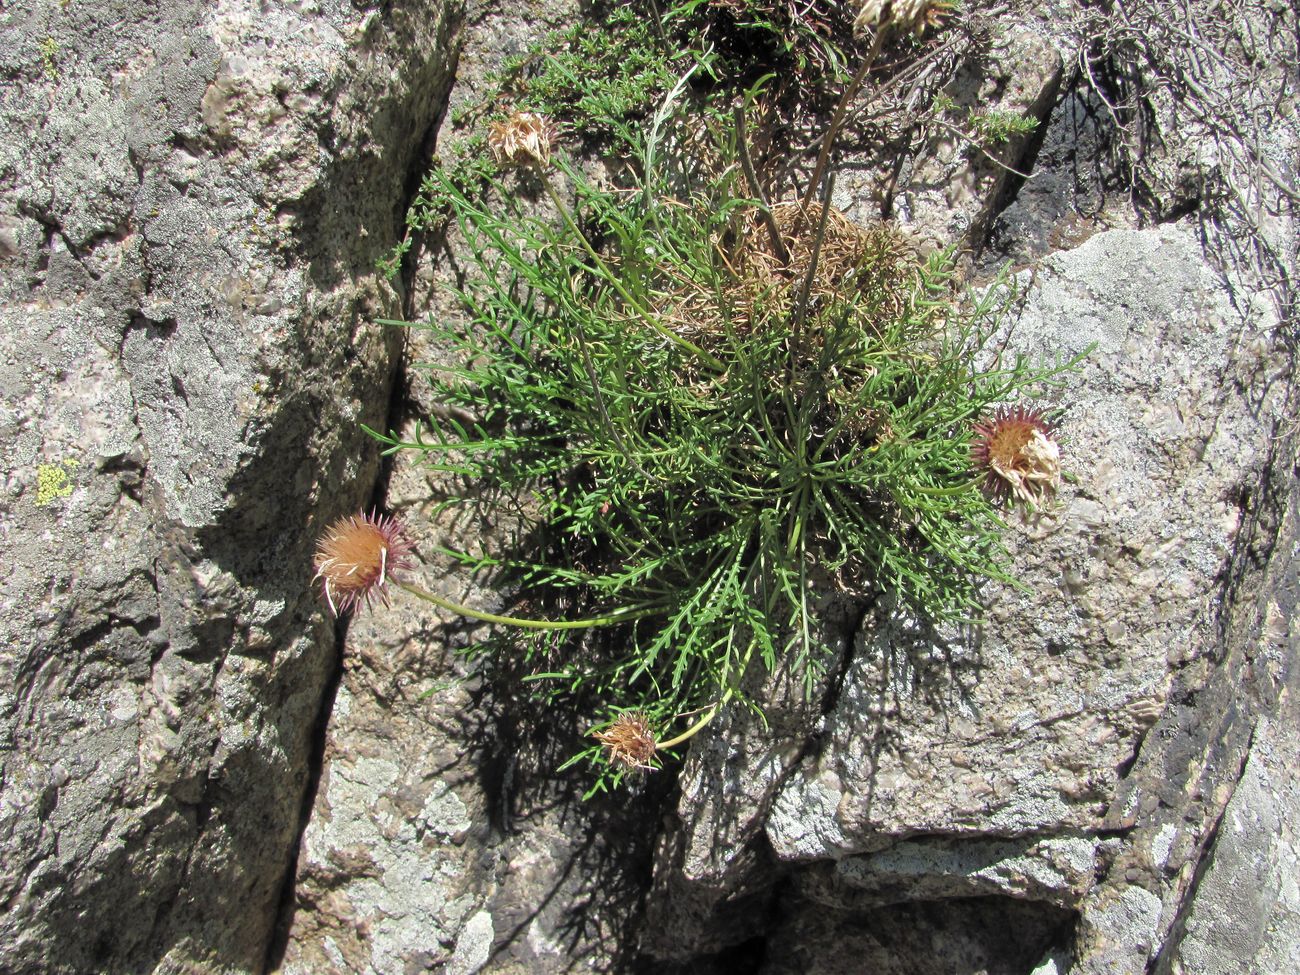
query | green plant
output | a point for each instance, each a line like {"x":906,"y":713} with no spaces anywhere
{"x":49,"y":58}
{"x":997,"y":126}
{"x":593,"y":75}
{"x":600,"y":79}
{"x":595,"y":79}
{"x":715,"y":414}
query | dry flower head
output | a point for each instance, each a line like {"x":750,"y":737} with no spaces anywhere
{"x":1016,"y":450}
{"x":524,"y":139}
{"x":630,"y":741}
{"x":355,"y":558}
{"x":901,"y":15}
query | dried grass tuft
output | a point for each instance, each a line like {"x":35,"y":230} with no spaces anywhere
{"x":869,"y":268}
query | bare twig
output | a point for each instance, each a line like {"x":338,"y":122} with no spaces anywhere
{"x":837,"y":120}
{"x":975,"y":142}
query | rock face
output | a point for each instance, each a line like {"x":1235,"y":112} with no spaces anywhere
{"x":1246,"y":914}
{"x":441,"y":838}
{"x":1100,"y":779}
{"x":194,"y":198}
{"x":1075,"y":754}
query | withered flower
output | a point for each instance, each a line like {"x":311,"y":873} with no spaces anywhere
{"x":524,"y":139}
{"x":355,"y":558}
{"x":1016,"y":449}
{"x":630,"y":741}
{"x":901,"y":15}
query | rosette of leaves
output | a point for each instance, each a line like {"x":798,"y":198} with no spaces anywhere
{"x":715,"y":413}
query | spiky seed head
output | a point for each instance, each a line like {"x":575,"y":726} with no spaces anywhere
{"x":1017,"y":451}
{"x":901,"y":15}
{"x":629,"y":741}
{"x":524,"y":139}
{"x":356,"y":557}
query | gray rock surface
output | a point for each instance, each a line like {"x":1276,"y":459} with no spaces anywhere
{"x":1009,"y":745}
{"x":1246,"y":913}
{"x":440,"y":836}
{"x":930,"y":172}
{"x":1058,"y":871}
{"x":1069,"y":675}
{"x":193,"y":197}
{"x":995,"y":765}
{"x":950,"y":190}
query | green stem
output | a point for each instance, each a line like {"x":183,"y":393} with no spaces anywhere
{"x":764,"y":208}
{"x":696,"y":728}
{"x":712,"y":712}
{"x":711,"y":361}
{"x":609,"y":619}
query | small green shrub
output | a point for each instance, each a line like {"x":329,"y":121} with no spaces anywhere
{"x":709,"y":415}
{"x":595,"y":79}
{"x":713,"y":414}
{"x":996,"y":127}
{"x":601,"y":78}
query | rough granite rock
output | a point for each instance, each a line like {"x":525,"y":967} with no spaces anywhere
{"x":1120,"y":575}
{"x":1151,"y":909}
{"x":1246,"y":914}
{"x":194,"y":196}
{"x":984,"y":935}
{"x":1058,"y":870}
{"x":386,"y":877}
{"x":441,"y":837}
{"x":949,"y":191}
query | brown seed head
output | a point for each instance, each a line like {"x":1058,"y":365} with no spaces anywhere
{"x":1016,"y":450}
{"x":524,"y":139}
{"x":630,"y":741}
{"x":901,"y":15}
{"x":355,"y":558}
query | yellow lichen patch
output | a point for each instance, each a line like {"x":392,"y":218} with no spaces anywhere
{"x":52,"y":482}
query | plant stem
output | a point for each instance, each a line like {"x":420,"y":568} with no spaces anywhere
{"x":599,"y":398}
{"x":712,"y":712}
{"x":608,"y":620}
{"x":696,"y":728}
{"x":747,"y":163}
{"x":801,"y":309}
{"x":837,"y":120}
